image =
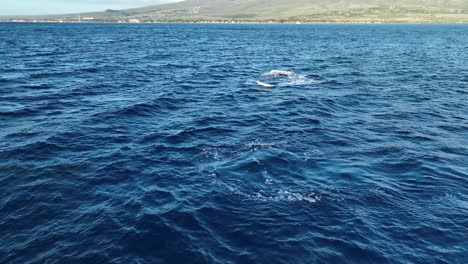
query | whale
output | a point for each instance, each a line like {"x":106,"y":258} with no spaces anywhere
{"x":283,"y":78}
{"x":281,"y":73}
{"x":264,"y":85}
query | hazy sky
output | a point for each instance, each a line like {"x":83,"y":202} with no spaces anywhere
{"x":42,"y":7}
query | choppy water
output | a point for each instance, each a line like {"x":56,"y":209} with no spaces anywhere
{"x":152,"y":143}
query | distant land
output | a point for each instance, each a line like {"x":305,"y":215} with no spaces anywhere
{"x":313,"y":11}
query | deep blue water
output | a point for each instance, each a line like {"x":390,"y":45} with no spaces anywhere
{"x":152,"y":143}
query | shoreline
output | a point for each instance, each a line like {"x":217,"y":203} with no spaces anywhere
{"x":242,"y":22}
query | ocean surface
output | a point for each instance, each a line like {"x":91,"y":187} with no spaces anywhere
{"x":153,"y":143}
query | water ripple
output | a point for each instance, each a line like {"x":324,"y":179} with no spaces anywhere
{"x":122,"y":143}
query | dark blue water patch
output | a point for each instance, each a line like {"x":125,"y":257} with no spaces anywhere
{"x":18,"y":112}
{"x":90,"y":69}
{"x":152,"y":143}
{"x":37,"y":86}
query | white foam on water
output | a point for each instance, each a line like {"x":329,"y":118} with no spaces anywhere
{"x":279,"y":73}
{"x":268,"y":178}
{"x":284,"y":195}
{"x":298,"y":81}
{"x":254,"y":146}
{"x":287,"y":78}
{"x":270,"y":194}
{"x":212,"y":153}
{"x":288,"y":196}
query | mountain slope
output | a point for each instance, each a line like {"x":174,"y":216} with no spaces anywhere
{"x":306,"y":10}
{"x":297,"y":10}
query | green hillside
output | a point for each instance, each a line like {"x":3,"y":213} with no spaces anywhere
{"x":294,"y":10}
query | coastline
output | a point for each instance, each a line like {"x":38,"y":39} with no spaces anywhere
{"x":243,"y":22}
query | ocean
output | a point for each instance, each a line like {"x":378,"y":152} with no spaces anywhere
{"x":164,"y":143}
